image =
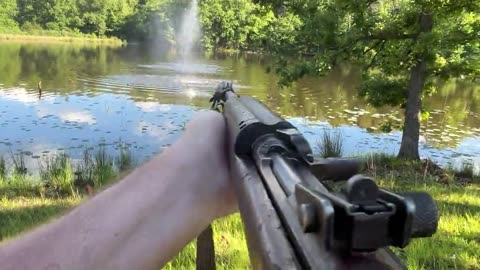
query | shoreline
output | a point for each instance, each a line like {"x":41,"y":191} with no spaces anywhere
{"x":45,"y":38}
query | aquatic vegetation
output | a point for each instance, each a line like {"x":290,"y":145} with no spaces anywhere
{"x":466,"y":172}
{"x":104,"y":170}
{"x":382,"y":164}
{"x":85,"y":170}
{"x":14,"y":186}
{"x":125,"y":160}
{"x":331,"y":144}
{"x":3,"y":168}
{"x":19,"y":168}
{"x":61,"y":176}
{"x":57,"y":174}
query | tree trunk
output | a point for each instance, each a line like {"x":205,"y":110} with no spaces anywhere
{"x":411,"y":130}
{"x":206,"y":250}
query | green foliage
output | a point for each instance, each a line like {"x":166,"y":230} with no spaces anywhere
{"x":234,"y":24}
{"x":8,"y":12}
{"x":85,"y":170}
{"x":385,"y":37}
{"x":331,"y":144}
{"x":467,"y":171}
{"x":104,"y":170}
{"x":125,"y":160}
{"x":14,"y":186}
{"x":231,"y":24}
{"x":99,"y":17}
{"x":400,"y":47}
{"x":92,"y":17}
{"x":154,"y":21}
{"x":19,"y":168}
{"x":57,"y":173}
{"x":95,"y":169}
{"x":60,"y":176}
{"x":380,"y":90}
{"x":3,"y":168}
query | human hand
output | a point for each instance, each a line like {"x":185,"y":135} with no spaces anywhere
{"x":205,"y":141}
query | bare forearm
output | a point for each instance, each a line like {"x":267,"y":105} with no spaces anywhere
{"x":119,"y":229}
{"x":140,"y":223}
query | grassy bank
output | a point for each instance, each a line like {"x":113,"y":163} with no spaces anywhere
{"x":48,"y":36}
{"x":60,"y":176}
{"x":455,"y":246}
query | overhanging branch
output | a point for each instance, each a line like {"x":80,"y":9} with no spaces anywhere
{"x":390,"y":36}
{"x":376,"y":53}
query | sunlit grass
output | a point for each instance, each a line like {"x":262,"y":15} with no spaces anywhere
{"x":60,"y":37}
{"x":104,"y":167}
{"x":15,"y":185}
{"x":61,"y":176}
{"x":21,"y":214}
{"x":57,"y":173}
{"x":230,"y":247}
{"x":456,"y":245}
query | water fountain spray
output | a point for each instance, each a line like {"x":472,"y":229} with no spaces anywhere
{"x":189,"y":32}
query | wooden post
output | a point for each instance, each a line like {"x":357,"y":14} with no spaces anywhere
{"x":206,"y":250}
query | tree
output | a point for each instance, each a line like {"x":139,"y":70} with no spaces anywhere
{"x":234,"y":24}
{"x":87,"y":16}
{"x":400,"y":46}
{"x":8,"y":11}
{"x":154,"y":21}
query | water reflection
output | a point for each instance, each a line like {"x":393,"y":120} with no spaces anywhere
{"x":75,"y":123}
{"x":99,"y":95}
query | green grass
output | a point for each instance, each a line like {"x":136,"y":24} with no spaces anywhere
{"x":35,"y":34}
{"x":125,"y":161}
{"x":19,"y":167}
{"x":330,"y":144}
{"x":14,"y":186}
{"x":57,"y":173}
{"x":104,"y":167}
{"x":456,"y":245}
{"x":21,"y":214}
{"x":60,"y":176}
{"x":457,"y":242}
{"x":3,"y":168}
{"x":230,"y":247}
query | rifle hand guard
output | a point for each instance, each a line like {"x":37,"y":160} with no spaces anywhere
{"x":292,"y":217}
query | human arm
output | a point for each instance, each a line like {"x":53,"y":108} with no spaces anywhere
{"x":145,"y":219}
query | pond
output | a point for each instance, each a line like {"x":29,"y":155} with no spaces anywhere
{"x":142,"y":97}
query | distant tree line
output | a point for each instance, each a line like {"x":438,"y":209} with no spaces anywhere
{"x":228,"y":24}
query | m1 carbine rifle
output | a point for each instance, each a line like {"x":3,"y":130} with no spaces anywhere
{"x":292,"y":218}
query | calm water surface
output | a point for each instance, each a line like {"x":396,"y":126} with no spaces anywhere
{"x":142,"y":99}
